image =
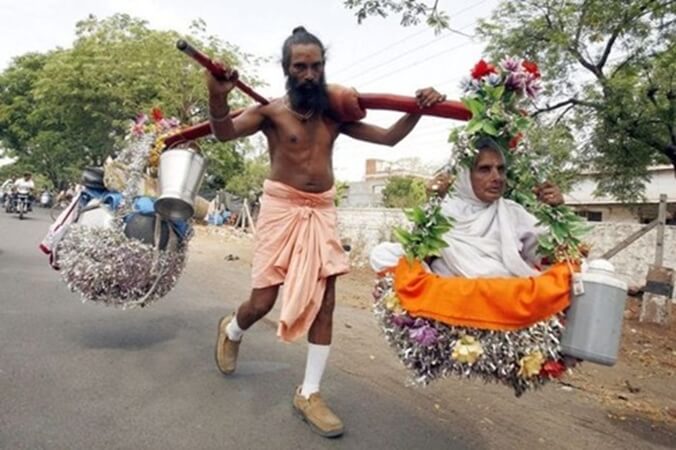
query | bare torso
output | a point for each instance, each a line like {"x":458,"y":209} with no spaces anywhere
{"x":300,"y":150}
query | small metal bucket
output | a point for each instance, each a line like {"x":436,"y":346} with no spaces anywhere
{"x":181,"y":173}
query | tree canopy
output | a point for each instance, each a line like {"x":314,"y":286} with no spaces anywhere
{"x":608,"y":71}
{"x":403,"y":192}
{"x":69,"y":108}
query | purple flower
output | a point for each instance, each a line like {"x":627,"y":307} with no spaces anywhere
{"x":516,"y":81}
{"x":510,"y":64}
{"x":141,"y":119}
{"x":532,"y":86}
{"x":425,"y":335}
{"x":402,"y":320}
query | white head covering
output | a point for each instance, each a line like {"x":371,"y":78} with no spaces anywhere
{"x":495,"y":239}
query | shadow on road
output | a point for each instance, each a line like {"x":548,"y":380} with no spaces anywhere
{"x":137,"y":335}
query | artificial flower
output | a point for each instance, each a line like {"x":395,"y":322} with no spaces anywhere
{"x":510,"y":64}
{"x":402,"y":320}
{"x":531,"y":364}
{"x":467,"y":350}
{"x":553,"y":369}
{"x":391,"y":302}
{"x":425,"y":335}
{"x":157,"y":114}
{"x":481,"y":69}
{"x":531,"y":68}
{"x":515,"y":140}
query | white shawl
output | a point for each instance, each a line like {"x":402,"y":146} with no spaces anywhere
{"x":488,"y":239}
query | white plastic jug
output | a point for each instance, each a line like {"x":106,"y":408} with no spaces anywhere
{"x":594,"y":319}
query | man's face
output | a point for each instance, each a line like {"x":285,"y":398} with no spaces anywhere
{"x":305,"y":82}
{"x":306,"y":66}
{"x":488,"y":175}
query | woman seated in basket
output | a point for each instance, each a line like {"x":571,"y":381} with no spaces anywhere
{"x":491,"y":236}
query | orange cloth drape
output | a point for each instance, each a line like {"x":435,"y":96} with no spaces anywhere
{"x":297,"y":244}
{"x":486,"y":303}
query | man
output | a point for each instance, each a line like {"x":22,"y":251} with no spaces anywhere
{"x":296,"y":241}
{"x":491,"y":236}
{"x":6,"y":189}
{"x":25,"y":186}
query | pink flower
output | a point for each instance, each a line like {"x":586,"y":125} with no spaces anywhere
{"x":510,"y":64}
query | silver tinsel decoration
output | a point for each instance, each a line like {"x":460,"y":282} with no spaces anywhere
{"x":426,"y":347}
{"x":107,"y":267}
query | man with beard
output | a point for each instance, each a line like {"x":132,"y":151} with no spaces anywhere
{"x":296,"y":241}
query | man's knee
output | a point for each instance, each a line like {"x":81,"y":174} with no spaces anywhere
{"x":329,"y":300}
{"x":262,"y":300}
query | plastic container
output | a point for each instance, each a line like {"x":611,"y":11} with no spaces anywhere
{"x":594,"y":319}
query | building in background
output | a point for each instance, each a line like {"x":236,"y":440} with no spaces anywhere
{"x":368,"y":192}
{"x":605,"y":209}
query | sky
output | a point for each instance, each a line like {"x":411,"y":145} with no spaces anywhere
{"x":378,"y":56}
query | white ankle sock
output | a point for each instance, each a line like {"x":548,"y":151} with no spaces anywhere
{"x":314,"y":368}
{"x":233,"y":330}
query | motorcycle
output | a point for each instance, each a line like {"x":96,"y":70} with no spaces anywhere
{"x":22,"y":204}
{"x":46,"y":199}
{"x":8,"y":202}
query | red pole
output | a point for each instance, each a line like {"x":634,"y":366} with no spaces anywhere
{"x":217,"y":70}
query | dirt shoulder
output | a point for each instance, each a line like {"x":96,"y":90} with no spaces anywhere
{"x":637,"y":395}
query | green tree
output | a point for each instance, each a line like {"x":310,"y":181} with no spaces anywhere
{"x":608,"y":71}
{"x":403,"y":192}
{"x":69,"y":108}
{"x":342,"y":189}
{"x":250,"y":180}
{"x":412,"y":12}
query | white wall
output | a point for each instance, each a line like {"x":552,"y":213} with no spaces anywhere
{"x":366,"y":227}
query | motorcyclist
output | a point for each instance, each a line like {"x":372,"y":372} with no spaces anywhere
{"x":6,"y":191}
{"x":26,"y":186}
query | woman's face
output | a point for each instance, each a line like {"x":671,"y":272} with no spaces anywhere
{"x":488,"y":175}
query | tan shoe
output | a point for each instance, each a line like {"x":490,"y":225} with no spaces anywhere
{"x":314,"y":411}
{"x":226,"y":350}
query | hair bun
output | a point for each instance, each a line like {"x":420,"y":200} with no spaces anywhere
{"x":300,"y":29}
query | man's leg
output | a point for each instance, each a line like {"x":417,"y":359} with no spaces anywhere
{"x":307,"y":400}
{"x":231,"y":328}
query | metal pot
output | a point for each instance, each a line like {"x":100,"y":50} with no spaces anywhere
{"x":181,"y":173}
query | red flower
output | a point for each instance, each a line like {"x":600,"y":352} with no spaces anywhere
{"x":553,"y":369}
{"x":157,"y":114}
{"x":481,"y":69}
{"x":515,"y":140}
{"x":531,"y":68}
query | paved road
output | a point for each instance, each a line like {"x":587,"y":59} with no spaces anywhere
{"x":84,"y":376}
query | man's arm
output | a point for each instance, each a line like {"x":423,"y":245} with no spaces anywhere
{"x":378,"y":135}
{"x":400,"y":129}
{"x":245,"y":124}
{"x":223,"y":126}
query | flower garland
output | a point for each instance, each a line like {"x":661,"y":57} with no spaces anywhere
{"x":157,"y":125}
{"x":523,"y":359}
{"x":106,"y":266}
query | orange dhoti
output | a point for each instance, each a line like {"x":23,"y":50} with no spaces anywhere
{"x":297,"y":245}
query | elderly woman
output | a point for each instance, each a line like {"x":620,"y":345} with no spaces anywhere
{"x":491,"y":236}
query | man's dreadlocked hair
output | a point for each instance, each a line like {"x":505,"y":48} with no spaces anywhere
{"x":299,"y":35}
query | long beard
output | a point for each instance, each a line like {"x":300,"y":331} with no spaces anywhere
{"x":305,"y":96}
